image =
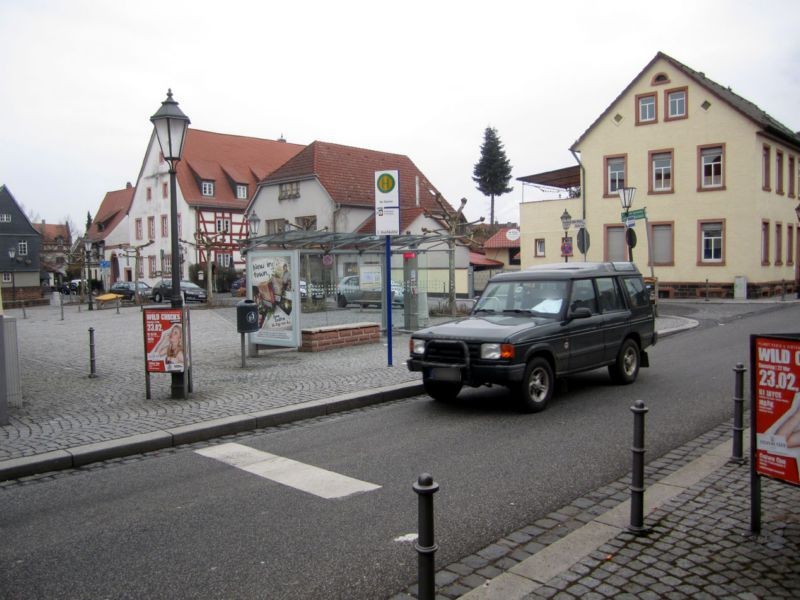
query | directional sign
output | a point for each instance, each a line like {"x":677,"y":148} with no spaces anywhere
{"x":639,"y":213}
{"x":578,"y":223}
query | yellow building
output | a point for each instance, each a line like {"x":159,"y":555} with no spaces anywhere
{"x":716,"y":183}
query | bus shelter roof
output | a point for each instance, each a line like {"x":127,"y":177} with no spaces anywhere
{"x":325,"y":242}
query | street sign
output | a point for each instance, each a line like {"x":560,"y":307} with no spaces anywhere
{"x":579,"y":223}
{"x":639,"y":213}
{"x":387,"y":203}
{"x":583,"y":240}
{"x":630,"y":222}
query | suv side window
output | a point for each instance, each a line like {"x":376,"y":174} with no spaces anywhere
{"x":583,"y":295}
{"x":610,"y":299}
{"x":637,"y":292}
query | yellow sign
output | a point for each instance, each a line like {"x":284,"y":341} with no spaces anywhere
{"x":386,"y":183}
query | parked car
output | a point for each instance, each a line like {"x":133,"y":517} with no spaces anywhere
{"x":532,"y":326}
{"x":317,"y":291}
{"x":191,"y":291}
{"x":127,"y":289}
{"x":349,"y":291}
{"x":239,"y":287}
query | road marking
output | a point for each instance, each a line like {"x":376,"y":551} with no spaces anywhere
{"x":322,"y":483}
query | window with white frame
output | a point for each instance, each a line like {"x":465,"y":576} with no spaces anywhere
{"x":712,"y":167}
{"x":711,"y":242}
{"x":223,"y":225}
{"x":289,"y":190}
{"x":224,"y":260}
{"x":646,"y":108}
{"x":22,"y":248}
{"x":151,"y":265}
{"x":241,"y":191}
{"x":615,"y":174}
{"x":616,"y":250}
{"x":207,"y":188}
{"x":5,"y":218}
{"x":676,"y":103}
{"x":539,"y":247}
{"x":6,"y":277}
{"x":661,"y":171}
{"x":273,"y":226}
{"x":663,"y":244}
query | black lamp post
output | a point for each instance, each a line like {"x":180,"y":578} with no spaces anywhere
{"x":566,"y":221}
{"x":12,"y":253}
{"x":626,"y":195}
{"x":87,"y":244}
{"x":253,"y":224}
{"x":171,"y":124}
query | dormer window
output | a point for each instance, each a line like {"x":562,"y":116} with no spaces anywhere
{"x":207,"y":188}
{"x":5,"y":218}
{"x":289,"y":190}
{"x":241,"y":191}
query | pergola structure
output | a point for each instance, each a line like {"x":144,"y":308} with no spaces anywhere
{"x":325,"y":242}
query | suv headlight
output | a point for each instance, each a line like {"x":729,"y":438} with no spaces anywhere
{"x":497,"y":351}
{"x":416,"y":346}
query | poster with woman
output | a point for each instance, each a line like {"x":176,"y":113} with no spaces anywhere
{"x":164,"y":340}
{"x":271,"y":276}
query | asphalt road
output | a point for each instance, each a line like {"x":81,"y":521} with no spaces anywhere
{"x":178,"y":525}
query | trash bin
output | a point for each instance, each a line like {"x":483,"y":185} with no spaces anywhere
{"x":246,"y":316}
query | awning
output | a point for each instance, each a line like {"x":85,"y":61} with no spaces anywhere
{"x":568,"y":177}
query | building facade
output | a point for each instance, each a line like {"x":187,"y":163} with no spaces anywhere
{"x":56,"y":252}
{"x":114,"y":257}
{"x":716,"y":183}
{"x":20,"y":251}
{"x":216,"y":178}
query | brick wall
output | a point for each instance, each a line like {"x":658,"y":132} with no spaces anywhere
{"x":339,"y":336}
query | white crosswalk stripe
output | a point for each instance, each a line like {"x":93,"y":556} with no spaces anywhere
{"x":310,"y":479}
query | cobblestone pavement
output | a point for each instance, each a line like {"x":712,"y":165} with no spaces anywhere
{"x":698,"y":545}
{"x":62,"y":407}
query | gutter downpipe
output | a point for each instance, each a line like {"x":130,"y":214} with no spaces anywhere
{"x":583,"y":189}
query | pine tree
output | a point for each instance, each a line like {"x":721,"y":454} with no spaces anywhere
{"x":493,"y":171}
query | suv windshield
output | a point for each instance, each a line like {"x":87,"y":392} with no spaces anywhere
{"x":543,"y":298}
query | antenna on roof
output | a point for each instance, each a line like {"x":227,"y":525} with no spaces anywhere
{"x":282,"y":139}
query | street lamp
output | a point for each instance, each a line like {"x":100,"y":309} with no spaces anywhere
{"x":626,"y":195}
{"x":171,"y":124}
{"x":566,"y":221}
{"x":253,"y":224}
{"x":12,"y":252}
{"x":87,"y":244}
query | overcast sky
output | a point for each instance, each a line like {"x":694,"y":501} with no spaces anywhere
{"x":79,"y":80}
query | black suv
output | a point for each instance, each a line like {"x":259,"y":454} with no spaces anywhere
{"x":531,"y":326}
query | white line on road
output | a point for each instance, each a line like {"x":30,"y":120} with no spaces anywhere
{"x":322,"y":483}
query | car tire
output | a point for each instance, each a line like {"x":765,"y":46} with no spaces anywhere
{"x":157,"y":298}
{"x":537,"y":385}
{"x":626,"y":368}
{"x":441,"y":391}
{"x":341,"y":301}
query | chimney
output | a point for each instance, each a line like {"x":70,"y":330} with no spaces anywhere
{"x":128,"y":186}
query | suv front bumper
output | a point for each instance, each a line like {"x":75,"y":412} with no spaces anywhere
{"x":473,"y":374}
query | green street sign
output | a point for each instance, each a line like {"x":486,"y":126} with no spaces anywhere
{"x":639,"y":213}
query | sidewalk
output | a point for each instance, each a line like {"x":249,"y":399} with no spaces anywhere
{"x":697,"y":504}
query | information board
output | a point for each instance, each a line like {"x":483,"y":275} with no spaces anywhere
{"x":775,"y":409}
{"x":164,"y":340}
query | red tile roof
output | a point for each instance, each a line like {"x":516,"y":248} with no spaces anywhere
{"x":499,"y":240}
{"x":112,"y":210}
{"x":480,"y":260}
{"x":348,"y":175}
{"x":227,"y":160}
{"x":50,"y":232}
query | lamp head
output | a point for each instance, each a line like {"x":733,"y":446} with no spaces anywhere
{"x":170,"y":124}
{"x":626,"y":195}
{"x":253,"y":223}
{"x":566,"y":220}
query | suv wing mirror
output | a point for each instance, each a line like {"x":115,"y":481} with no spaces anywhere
{"x":580,"y":313}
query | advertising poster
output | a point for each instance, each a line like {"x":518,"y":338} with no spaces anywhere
{"x":164,"y":340}
{"x":272,"y":277}
{"x":775,"y":364}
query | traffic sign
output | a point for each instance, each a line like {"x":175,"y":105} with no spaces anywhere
{"x":639,"y":213}
{"x":579,"y":223}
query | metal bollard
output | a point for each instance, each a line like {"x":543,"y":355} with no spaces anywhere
{"x":24,"y":314}
{"x":783,"y":290}
{"x":426,"y":487}
{"x":637,"y":477}
{"x":61,"y":303}
{"x":92,"y":373}
{"x":117,"y":305}
{"x":706,"y":290}
{"x":738,"y":414}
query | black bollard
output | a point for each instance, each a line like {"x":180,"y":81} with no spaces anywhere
{"x":637,"y":476}
{"x":426,"y":487}
{"x":92,"y":372}
{"x":738,"y":414}
{"x":706,"y":290}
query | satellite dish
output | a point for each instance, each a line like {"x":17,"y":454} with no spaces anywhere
{"x":512,"y":235}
